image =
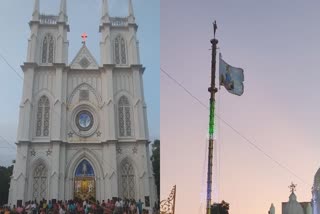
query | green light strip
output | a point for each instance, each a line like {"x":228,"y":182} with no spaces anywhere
{"x":211,"y":121}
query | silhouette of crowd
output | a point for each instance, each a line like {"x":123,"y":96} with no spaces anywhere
{"x":114,"y":206}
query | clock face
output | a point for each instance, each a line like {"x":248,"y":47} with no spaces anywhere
{"x":84,"y":120}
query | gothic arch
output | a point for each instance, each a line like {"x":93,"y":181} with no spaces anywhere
{"x":132,"y":161}
{"x":43,"y":116}
{"x":71,"y":166}
{"x":43,"y":92}
{"x":81,"y":154}
{"x":120,"y":50}
{"x":94,"y":91}
{"x":48,"y":47}
{"x":124,"y":115}
{"x":31,"y":185}
{"x":121,"y":93}
{"x":128,"y":178}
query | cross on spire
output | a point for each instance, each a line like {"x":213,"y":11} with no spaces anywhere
{"x":84,"y":37}
{"x":292,"y":187}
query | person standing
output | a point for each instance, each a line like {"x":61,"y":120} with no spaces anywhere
{"x":139,"y":206}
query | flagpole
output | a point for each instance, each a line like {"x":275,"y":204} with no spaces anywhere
{"x":212,"y":90}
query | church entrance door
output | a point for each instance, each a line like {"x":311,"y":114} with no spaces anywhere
{"x":84,"y":182}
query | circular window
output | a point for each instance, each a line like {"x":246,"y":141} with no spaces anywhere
{"x":84,"y":120}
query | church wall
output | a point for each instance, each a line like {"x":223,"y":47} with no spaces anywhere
{"x":123,"y":81}
{"x":44,"y":80}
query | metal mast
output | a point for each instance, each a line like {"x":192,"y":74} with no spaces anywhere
{"x":212,"y":90}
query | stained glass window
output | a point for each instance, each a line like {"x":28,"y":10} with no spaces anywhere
{"x":120,"y":56}
{"x":127,"y":180}
{"x":43,"y":117}
{"x":124,"y":117}
{"x":40,"y":182}
{"x":48,"y":49}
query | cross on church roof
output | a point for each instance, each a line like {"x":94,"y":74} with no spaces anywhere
{"x":84,"y":37}
{"x":293,"y":187}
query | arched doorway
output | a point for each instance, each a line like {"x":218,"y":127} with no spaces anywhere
{"x":84,"y":181}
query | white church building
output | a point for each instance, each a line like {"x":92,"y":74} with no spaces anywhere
{"x":83,"y":130}
{"x":295,"y":207}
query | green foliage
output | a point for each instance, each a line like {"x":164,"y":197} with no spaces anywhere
{"x":5,"y":173}
{"x":155,"y":158}
{"x":221,"y":208}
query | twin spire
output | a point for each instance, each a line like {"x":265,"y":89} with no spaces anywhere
{"x":62,"y":14}
{"x":63,"y":17}
{"x":105,"y":11}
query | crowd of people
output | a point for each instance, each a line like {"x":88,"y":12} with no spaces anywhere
{"x":115,"y":206}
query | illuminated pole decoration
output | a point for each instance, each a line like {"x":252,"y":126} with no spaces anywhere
{"x":212,"y":90}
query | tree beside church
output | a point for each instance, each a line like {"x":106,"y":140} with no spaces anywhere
{"x":5,"y":173}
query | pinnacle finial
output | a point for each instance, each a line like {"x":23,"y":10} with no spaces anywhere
{"x":272,"y":209}
{"x":105,"y":11}
{"x":292,"y":187}
{"x":131,"y":8}
{"x":63,"y":11}
{"x":36,"y":10}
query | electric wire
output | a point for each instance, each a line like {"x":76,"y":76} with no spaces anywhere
{"x":235,"y":130}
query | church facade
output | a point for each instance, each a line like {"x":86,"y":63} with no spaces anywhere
{"x":83,"y":129}
{"x":295,"y":207}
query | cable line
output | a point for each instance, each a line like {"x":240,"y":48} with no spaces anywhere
{"x":235,"y":130}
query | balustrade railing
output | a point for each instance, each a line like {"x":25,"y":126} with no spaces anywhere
{"x":119,"y":21}
{"x":48,"y":19}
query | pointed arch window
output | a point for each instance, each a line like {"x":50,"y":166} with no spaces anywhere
{"x":124,"y":117}
{"x":120,"y":56}
{"x":40,"y":182}
{"x":43,"y":117}
{"x":127,"y":180}
{"x":48,"y":49}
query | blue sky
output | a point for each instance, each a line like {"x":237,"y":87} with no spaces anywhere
{"x":84,"y":16}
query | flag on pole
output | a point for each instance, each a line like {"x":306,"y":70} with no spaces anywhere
{"x":231,"y":77}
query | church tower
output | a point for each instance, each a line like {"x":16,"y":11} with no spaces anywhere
{"x":316,"y":193}
{"x":83,"y":130}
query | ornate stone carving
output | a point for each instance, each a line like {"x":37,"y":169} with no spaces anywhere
{"x":119,"y":150}
{"x":33,"y":153}
{"x":84,"y":62}
{"x":84,"y":95}
{"x":98,"y":134}
{"x":70,"y":134}
{"x":49,"y":152}
{"x":135,"y":149}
